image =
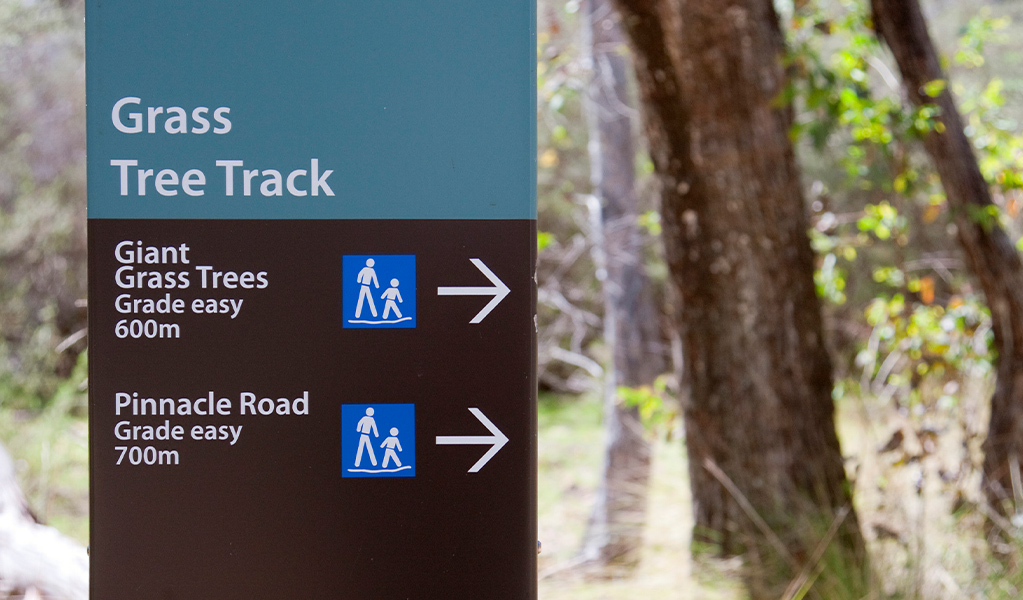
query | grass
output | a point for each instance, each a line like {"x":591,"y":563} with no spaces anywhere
{"x":917,"y":505}
{"x":918,"y":495}
{"x":50,"y":449}
{"x":570,"y":457}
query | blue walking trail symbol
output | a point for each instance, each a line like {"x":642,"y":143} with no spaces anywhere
{"x":378,"y":440}
{"x":379,"y":291}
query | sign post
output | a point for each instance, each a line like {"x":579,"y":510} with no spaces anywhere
{"x":312,"y":241}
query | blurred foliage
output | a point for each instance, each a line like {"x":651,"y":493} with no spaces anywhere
{"x":50,"y":448}
{"x":901,"y":305}
{"x":908,"y":327}
{"x":657,"y":409}
{"x":42,"y":198}
{"x":572,"y":353}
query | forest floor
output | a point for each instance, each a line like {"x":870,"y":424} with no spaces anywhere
{"x":916,"y":475}
{"x":570,"y":455}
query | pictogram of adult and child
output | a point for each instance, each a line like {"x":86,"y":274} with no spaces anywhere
{"x":367,"y":303}
{"x":367,"y":451}
{"x":367,"y":277}
{"x":367,"y":426}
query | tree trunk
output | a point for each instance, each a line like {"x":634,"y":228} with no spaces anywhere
{"x":765,"y":465}
{"x":614,"y":535}
{"x":989,"y":253}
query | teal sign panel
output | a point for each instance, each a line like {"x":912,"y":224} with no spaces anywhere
{"x":367,"y":109}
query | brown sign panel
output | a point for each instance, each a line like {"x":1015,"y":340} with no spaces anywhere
{"x":257,"y":431}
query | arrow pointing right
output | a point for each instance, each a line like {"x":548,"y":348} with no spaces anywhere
{"x":498,"y":291}
{"x":498,"y":439}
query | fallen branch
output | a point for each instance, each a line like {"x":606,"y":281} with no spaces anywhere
{"x":34,"y":556}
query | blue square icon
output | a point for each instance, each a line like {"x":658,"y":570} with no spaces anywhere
{"x":378,"y":291}
{"x":378,"y":440}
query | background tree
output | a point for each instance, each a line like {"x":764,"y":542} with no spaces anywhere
{"x":991,"y":256}
{"x":631,"y":320}
{"x":765,"y":466}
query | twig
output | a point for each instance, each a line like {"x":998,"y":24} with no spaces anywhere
{"x":889,"y":364}
{"x":801,"y":580}
{"x":1017,"y":486}
{"x":72,"y":339}
{"x":873,"y":343}
{"x":576,"y":359}
{"x":751,"y":512}
{"x":998,"y":520}
{"x":563,"y":567}
{"x":885,"y":73}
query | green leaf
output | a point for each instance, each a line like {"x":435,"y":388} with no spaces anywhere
{"x":651,"y":221}
{"x":543,"y":239}
{"x":935,"y":88}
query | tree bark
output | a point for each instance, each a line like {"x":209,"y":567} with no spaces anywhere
{"x":990,"y":255}
{"x":765,"y":464}
{"x":614,"y":535}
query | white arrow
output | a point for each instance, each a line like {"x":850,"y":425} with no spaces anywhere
{"x":499,"y":291}
{"x":498,"y":440}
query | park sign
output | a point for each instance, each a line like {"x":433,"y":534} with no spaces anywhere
{"x":312,"y":240}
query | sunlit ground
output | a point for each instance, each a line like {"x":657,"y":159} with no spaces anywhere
{"x":917,"y":502}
